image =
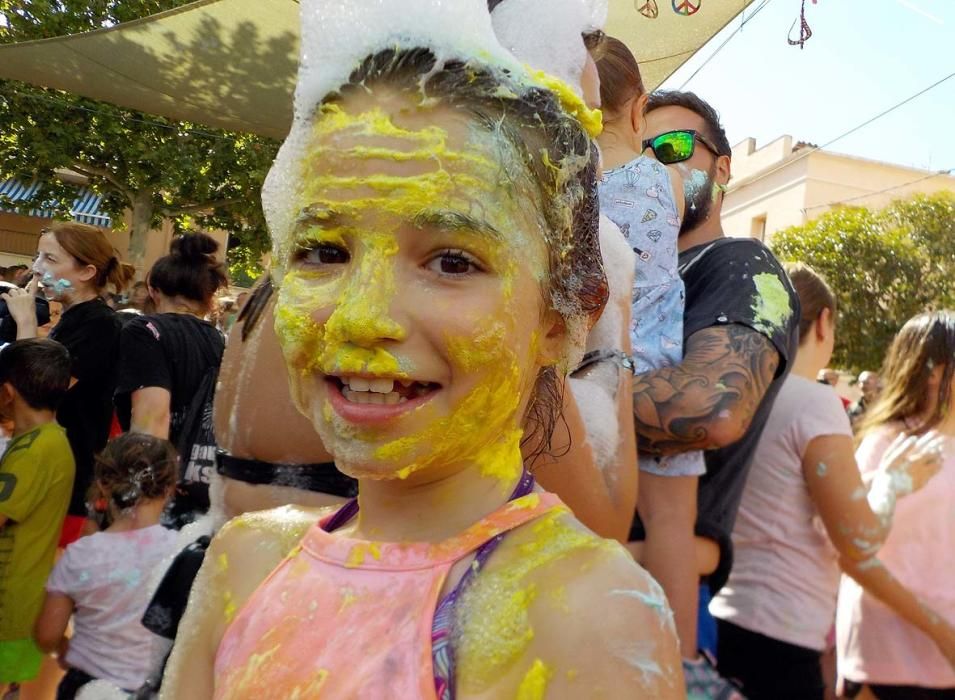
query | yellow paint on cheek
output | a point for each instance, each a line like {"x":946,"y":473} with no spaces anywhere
{"x":229,"y":608}
{"x":535,"y":681}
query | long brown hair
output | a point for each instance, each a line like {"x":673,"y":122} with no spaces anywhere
{"x":814,"y":295}
{"x":88,"y":245}
{"x":925,"y":342}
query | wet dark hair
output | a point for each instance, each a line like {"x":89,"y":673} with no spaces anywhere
{"x":560,"y":159}
{"x":689,"y":100}
{"x":39,"y":369}
{"x":619,"y":73}
{"x":190,"y":270}
{"x":135,"y":467}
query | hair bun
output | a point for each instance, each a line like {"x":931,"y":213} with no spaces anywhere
{"x":194,"y":247}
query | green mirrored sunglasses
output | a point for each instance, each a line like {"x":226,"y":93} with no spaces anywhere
{"x":677,"y":146}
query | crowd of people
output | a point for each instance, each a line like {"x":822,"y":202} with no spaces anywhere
{"x":509,"y":416}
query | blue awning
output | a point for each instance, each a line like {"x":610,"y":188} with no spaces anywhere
{"x":85,"y":207}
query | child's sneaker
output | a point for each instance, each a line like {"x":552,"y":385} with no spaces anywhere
{"x":703,"y":681}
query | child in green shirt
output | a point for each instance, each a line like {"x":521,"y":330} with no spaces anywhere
{"x":36,"y":478}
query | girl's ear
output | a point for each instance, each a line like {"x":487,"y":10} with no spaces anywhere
{"x":552,"y":344}
{"x":822,"y":323}
{"x":638,"y":119}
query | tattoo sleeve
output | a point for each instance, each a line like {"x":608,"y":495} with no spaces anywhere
{"x":711,"y":395}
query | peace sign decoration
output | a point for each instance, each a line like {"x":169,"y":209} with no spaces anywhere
{"x":648,"y":8}
{"x":686,"y":7}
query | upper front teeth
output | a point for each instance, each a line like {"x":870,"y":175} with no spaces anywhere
{"x":377,"y":386}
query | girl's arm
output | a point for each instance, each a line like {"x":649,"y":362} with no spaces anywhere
{"x":150,"y":411}
{"x":857,"y":518}
{"x":602,"y":499}
{"x":49,"y":631}
{"x":881,"y":584}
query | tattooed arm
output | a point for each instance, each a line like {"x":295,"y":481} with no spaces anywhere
{"x":709,"y":399}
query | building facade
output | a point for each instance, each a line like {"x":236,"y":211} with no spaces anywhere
{"x":783,"y":184}
{"x":20,"y":231}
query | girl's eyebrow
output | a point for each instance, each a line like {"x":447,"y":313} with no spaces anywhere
{"x":318,"y":215}
{"x":456,"y":221}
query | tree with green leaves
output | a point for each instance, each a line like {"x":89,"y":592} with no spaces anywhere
{"x":884,"y":267}
{"x":150,"y":165}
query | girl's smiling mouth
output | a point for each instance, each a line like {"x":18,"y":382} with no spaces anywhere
{"x":368,"y":400}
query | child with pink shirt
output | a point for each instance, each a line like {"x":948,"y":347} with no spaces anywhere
{"x":101,"y":580}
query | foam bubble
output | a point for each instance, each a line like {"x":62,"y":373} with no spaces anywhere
{"x":546,"y":34}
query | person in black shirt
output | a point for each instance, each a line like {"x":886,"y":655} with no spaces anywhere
{"x":740,"y":332}
{"x":76,"y":266}
{"x":169,"y":363}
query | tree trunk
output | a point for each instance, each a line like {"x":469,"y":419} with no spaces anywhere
{"x":140,"y":226}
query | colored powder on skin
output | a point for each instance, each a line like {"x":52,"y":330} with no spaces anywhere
{"x":492,"y":621}
{"x":694,"y":182}
{"x":859,"y":493}
{"x":57,"y":285}
{"x":872,"y":563}
{"x":655,"y":599}
{"x":229,"y":608}
{"x":639,"y":655}
{"x":534,"y":684}
{"x":771,"y":309}
{"x":822,"y":469}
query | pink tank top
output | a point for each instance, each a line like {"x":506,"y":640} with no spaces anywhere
{"x":346,"y":618}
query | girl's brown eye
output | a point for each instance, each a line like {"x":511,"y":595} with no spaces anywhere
{"x":453,"y":263}
{"x":324,"y":254}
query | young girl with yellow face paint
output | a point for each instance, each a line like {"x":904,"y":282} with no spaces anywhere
{"x":435,"y":231}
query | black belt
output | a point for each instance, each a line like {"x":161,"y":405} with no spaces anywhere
{"x":322,"y":477}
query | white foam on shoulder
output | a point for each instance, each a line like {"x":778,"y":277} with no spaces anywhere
{"x":546,"y":34}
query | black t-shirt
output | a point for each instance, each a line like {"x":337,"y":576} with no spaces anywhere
{"x":182,"y":354}
{"x":169,"y":351}
{"x":90,"y":331}
{"x":736,"y":281}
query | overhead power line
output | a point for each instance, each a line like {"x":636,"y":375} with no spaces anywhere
{"x":883,"y":191}
{"x":719,"y":48}
{"x":809,"y":151}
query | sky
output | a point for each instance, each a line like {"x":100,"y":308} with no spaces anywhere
{"x":863,"y":57}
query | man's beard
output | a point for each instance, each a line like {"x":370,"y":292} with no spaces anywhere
{"x":699,"y":198}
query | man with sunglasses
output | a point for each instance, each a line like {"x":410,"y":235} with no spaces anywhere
{"x":740,"y":333}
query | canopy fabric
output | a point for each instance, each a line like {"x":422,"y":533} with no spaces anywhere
{"x":85,"y":207}
{"x":231,"y":63}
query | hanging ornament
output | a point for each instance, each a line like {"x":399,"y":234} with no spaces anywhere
{"x":647,"y":8}
{"x":686,"y":7}
{"x":804,"y":31}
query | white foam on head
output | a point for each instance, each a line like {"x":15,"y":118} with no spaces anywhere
{"x":546,"y":34}
{"x":336,"y":36}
